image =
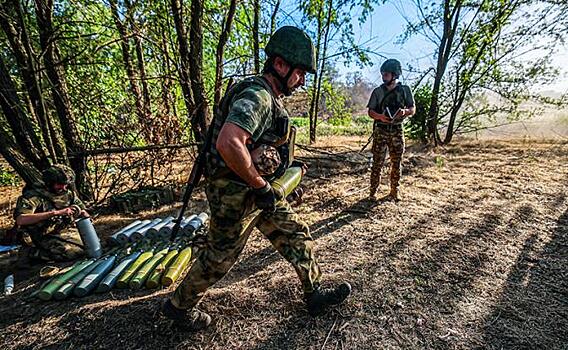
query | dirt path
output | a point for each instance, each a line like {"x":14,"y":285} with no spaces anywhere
{"x":476,"y":256}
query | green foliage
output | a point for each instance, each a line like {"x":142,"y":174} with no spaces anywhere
{"x":500,"y":48}
{"x":300,"y":122}
{"x":8,"y":177}
{"x":360,"y":125}
{"x":414,"y":128}
{"x":334,"y":102}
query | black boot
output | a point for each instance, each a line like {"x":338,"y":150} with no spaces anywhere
{"x":192,"y":321}
{"x":320,"y":299}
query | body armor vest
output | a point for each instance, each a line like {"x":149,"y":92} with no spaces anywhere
{"x":276,"y":135}
{"x":392,"y":101}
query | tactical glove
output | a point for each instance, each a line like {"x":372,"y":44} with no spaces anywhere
{"x":265,"y":198}
{"x":299,"y":163}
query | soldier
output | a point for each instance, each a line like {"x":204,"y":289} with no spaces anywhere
{"x":389,"y":104}
{"x":44,"y":217}
{"x":252,"y":115}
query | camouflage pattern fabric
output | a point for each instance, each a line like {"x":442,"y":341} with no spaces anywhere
{"x":231,"y":223}
{"x":393,"y":141}
{"x":266,"y":159}
{"x":56,"y":238}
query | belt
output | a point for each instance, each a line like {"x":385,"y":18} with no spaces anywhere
{"x":388,"y":127}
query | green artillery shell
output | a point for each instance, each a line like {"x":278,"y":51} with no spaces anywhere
{"x":67,"y":288}
{"x":131,"y":270}
{"x":285,"y":184}
{"x":154,"y":279}
{"x":177,"y":267}
{"x":47,"y":292}
{"x":140,"y":277}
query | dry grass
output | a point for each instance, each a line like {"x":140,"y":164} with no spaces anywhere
{"x":476,"y":256}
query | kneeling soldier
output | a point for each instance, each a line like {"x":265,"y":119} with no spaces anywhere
{"x":44,"y":217}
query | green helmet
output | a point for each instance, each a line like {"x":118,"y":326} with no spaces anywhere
{"x":294,"y":46}
{"x":58,"y":174}
{"x":392,"y":66}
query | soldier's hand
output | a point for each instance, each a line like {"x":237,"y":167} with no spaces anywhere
{"x":65,"y":212}
{"x":300,"y":164}
{"x":400,"y":114}
{"x":383,"y":118}
{"x":265,"y":198}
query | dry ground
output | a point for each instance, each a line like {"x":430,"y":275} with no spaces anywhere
{"x":476,"y":256}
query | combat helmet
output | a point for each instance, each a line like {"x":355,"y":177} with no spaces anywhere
{"x":294,"y":46}
{"x":392,"y":66}
{"x":58,"y":174}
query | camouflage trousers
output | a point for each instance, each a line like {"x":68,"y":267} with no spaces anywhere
{"x":64,"y":246}
{"x":231,"y":223}
{"x":393,"y":141}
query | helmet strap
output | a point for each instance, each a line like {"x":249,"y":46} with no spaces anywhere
{"x":394,"y":77}
{"x":283,"y":80}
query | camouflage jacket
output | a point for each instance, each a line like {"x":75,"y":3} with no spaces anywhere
{"x":39,"y":200}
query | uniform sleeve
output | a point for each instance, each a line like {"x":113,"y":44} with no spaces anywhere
{"x":409,"y":98}
{"x":26,"y":205}
{"x":251,"y":111}
{"x":374,"y":100}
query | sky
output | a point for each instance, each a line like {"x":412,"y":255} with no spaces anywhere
{"x":380,"y":33}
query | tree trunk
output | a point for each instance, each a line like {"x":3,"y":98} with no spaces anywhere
{"x":130,"y":71}
{"x":147,"y":122}
{"x":19,"y":123}
{"x":256,"y":36}
{"x":17,"y":160}
{"x":273,"y":17}
{"x":224,"y":37}
{"x":60,"y":95}
{"x":16,"y":33}
{"x":451,"y":19}
{"x":322,"y":65}
{"x":312,"y":112}
{"x":200,"y":118}
{"x":185,"y":65}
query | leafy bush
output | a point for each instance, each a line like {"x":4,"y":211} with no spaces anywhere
{"x":8,"y":177}
{"x":415,"y":127}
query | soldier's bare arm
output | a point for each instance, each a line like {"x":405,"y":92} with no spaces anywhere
{"x":32,"y":219}
{"x":231,"y":144}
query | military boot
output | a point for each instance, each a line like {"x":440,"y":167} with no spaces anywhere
{"x":320,"y":299}
{"x":395,"y":194}
{"x":191,"y":321}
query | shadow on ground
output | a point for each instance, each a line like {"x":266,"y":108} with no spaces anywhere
{"x":533,"y":310}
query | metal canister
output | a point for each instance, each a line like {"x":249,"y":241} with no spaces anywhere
{"x":89,"y":237}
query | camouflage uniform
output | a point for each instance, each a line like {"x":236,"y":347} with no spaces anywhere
{"x":388,"y":136}
{"x":252,"y":106}
{"x":54,"y":239}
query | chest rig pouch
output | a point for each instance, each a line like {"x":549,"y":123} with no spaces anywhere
{"x":391,"y":102}
{"x":277,"y":135}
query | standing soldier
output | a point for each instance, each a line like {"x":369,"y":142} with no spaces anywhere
{"x":44,"y":217}
{"x":389,"y":104}
{"x":251,"y":115}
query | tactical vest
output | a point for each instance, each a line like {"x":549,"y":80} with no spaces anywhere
{"x":392,"y":100}
{"x":276,"y":135}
